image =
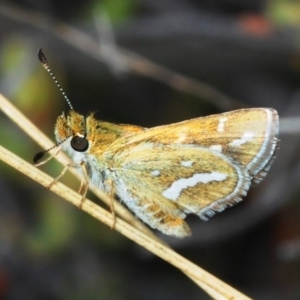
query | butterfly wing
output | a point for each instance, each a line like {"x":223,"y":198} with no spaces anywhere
{"x":248,"y":136}
{"x":162,"y":184}
{"x":197,"y":166}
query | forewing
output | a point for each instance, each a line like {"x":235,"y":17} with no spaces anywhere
{"x":248,"y":136}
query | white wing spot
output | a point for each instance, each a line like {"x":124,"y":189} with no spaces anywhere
{"x":246,"y":137}
{"x":216,"y":148}
{"x":221,"y":125}
{"x":155,"y":173}
{"x":187,"y":163}
{"x":174,"y":191}
{"x":181,"y":137}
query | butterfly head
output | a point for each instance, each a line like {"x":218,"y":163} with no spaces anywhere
{"x":71,"y":130}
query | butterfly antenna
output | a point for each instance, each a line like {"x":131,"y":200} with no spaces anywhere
{"x":39,"y":155}
{"x":45,"y":64}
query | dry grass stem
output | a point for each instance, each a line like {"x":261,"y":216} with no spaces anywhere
{"x":211,"y":284}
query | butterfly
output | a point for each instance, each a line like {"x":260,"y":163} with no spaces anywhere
{"x":162,"y":174}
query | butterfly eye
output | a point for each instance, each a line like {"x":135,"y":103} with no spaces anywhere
{"x":79,"y":144}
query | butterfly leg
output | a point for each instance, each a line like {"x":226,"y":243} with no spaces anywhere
{"x":63,"y":172}
{"x":112,"y":192}
{"x":84,"y":184}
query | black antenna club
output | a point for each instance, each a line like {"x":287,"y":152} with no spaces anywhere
{"x":45,"y":64}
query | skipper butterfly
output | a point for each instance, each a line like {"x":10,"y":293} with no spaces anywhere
{"x":199,"y":166}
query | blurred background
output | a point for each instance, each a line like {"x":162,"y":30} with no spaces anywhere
{"x":148,"y":62}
